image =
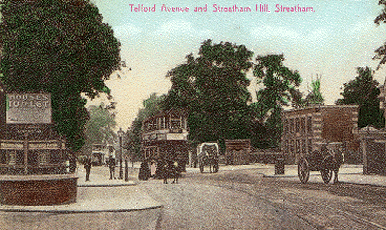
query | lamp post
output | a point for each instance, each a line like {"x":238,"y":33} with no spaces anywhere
{"x":120,"y":135}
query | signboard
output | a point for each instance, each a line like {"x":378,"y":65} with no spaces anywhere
{"x":44,"y":145}
{"x":34,"y":145}
{"x":28,"y":108}
{"x":11,"y":145}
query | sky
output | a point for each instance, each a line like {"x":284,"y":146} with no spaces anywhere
{"x":331,"y":41}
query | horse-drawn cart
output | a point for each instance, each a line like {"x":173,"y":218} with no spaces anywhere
{"x":207,"y":154}
{"x":327,"y":161}
{"x":313,"y":138}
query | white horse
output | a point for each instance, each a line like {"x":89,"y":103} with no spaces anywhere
{"x":207,"y":155}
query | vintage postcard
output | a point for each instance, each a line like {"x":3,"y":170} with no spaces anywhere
{"x":154,"y":114}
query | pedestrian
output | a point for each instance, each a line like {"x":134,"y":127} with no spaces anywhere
{"x":176,"y":171}
{"x":152,"y":169}
{"x":144,"y":171}
{"x":165,"y":171}
{"x":111,"y":163}
{"x":87,"y":166}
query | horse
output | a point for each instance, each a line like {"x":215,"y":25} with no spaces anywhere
{"x":208,"y":156}
{"x":333,"y":159}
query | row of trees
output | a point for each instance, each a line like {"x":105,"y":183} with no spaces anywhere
{"x":213,"y":89}
{"x":64,"y":48}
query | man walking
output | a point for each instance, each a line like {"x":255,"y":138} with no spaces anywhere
{"x":165,"y":171}
{"x":87,"y":166}
{"x":111,"y":164}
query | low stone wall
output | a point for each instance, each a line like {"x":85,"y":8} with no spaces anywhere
{"x":35,"y":190}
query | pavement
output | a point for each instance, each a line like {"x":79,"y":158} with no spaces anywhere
{"x":101,"y":204}
{"x":100,"y":194}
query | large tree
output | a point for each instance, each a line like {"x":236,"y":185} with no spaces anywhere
{"x":213,"y":89}
{"x":99,"y":128}
{"x":381,"y":18}
{"x":363,"y":91}
{"x":61,"y":47}
{"x":279,"y":88}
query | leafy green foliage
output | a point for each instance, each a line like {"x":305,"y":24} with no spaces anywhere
{"x":279,"y":88}
{"x":315,"y":96}
{"x":381,"y":51}
{"x":213,"y":89}
{"x":60,"y":47}
{"x":99,"y":128}
{"x":364,"y":91}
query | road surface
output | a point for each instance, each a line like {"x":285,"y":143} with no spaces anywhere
{"x":243,"y":199}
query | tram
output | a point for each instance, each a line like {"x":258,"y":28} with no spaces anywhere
{"x":165,"y":138}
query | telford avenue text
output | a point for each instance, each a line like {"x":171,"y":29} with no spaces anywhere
{"x":278,"y":8}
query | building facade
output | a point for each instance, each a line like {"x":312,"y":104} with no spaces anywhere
{"x":306,"y":129}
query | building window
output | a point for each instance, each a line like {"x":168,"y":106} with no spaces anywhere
{"x":19,"y":159}
{"x":162,"y":122}
{"x":33,"y":157}
{"x":286,"y":146}
{"x":44,"y":156}
{"x":285,"y":127}
{"x":55,"y":156}
{"x":303,"y":125}
{"x":3,"y":156}
{"x":309,"y":144}
{"x":309,"y":125}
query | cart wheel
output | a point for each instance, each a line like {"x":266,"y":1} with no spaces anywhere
{"x":326,"y":175}
{"x":303,"y":171}
{"x":201,"y":168}
{"x":215,"y":167}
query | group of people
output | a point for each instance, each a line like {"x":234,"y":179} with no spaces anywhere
{"x":170,"y":169}
{"x":110,"y":162}
{"x":164,"y":170}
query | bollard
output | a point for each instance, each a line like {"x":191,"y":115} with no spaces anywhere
{"x":126,"y":171}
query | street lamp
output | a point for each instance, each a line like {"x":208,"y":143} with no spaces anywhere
{"x":120,"y":135}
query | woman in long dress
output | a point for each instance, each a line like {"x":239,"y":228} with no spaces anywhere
{"x":152,"y":169}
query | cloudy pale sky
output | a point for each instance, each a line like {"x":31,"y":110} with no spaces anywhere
{"x":331,"y":41}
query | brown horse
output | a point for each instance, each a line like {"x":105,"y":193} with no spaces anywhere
{"x":333,"y":158}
